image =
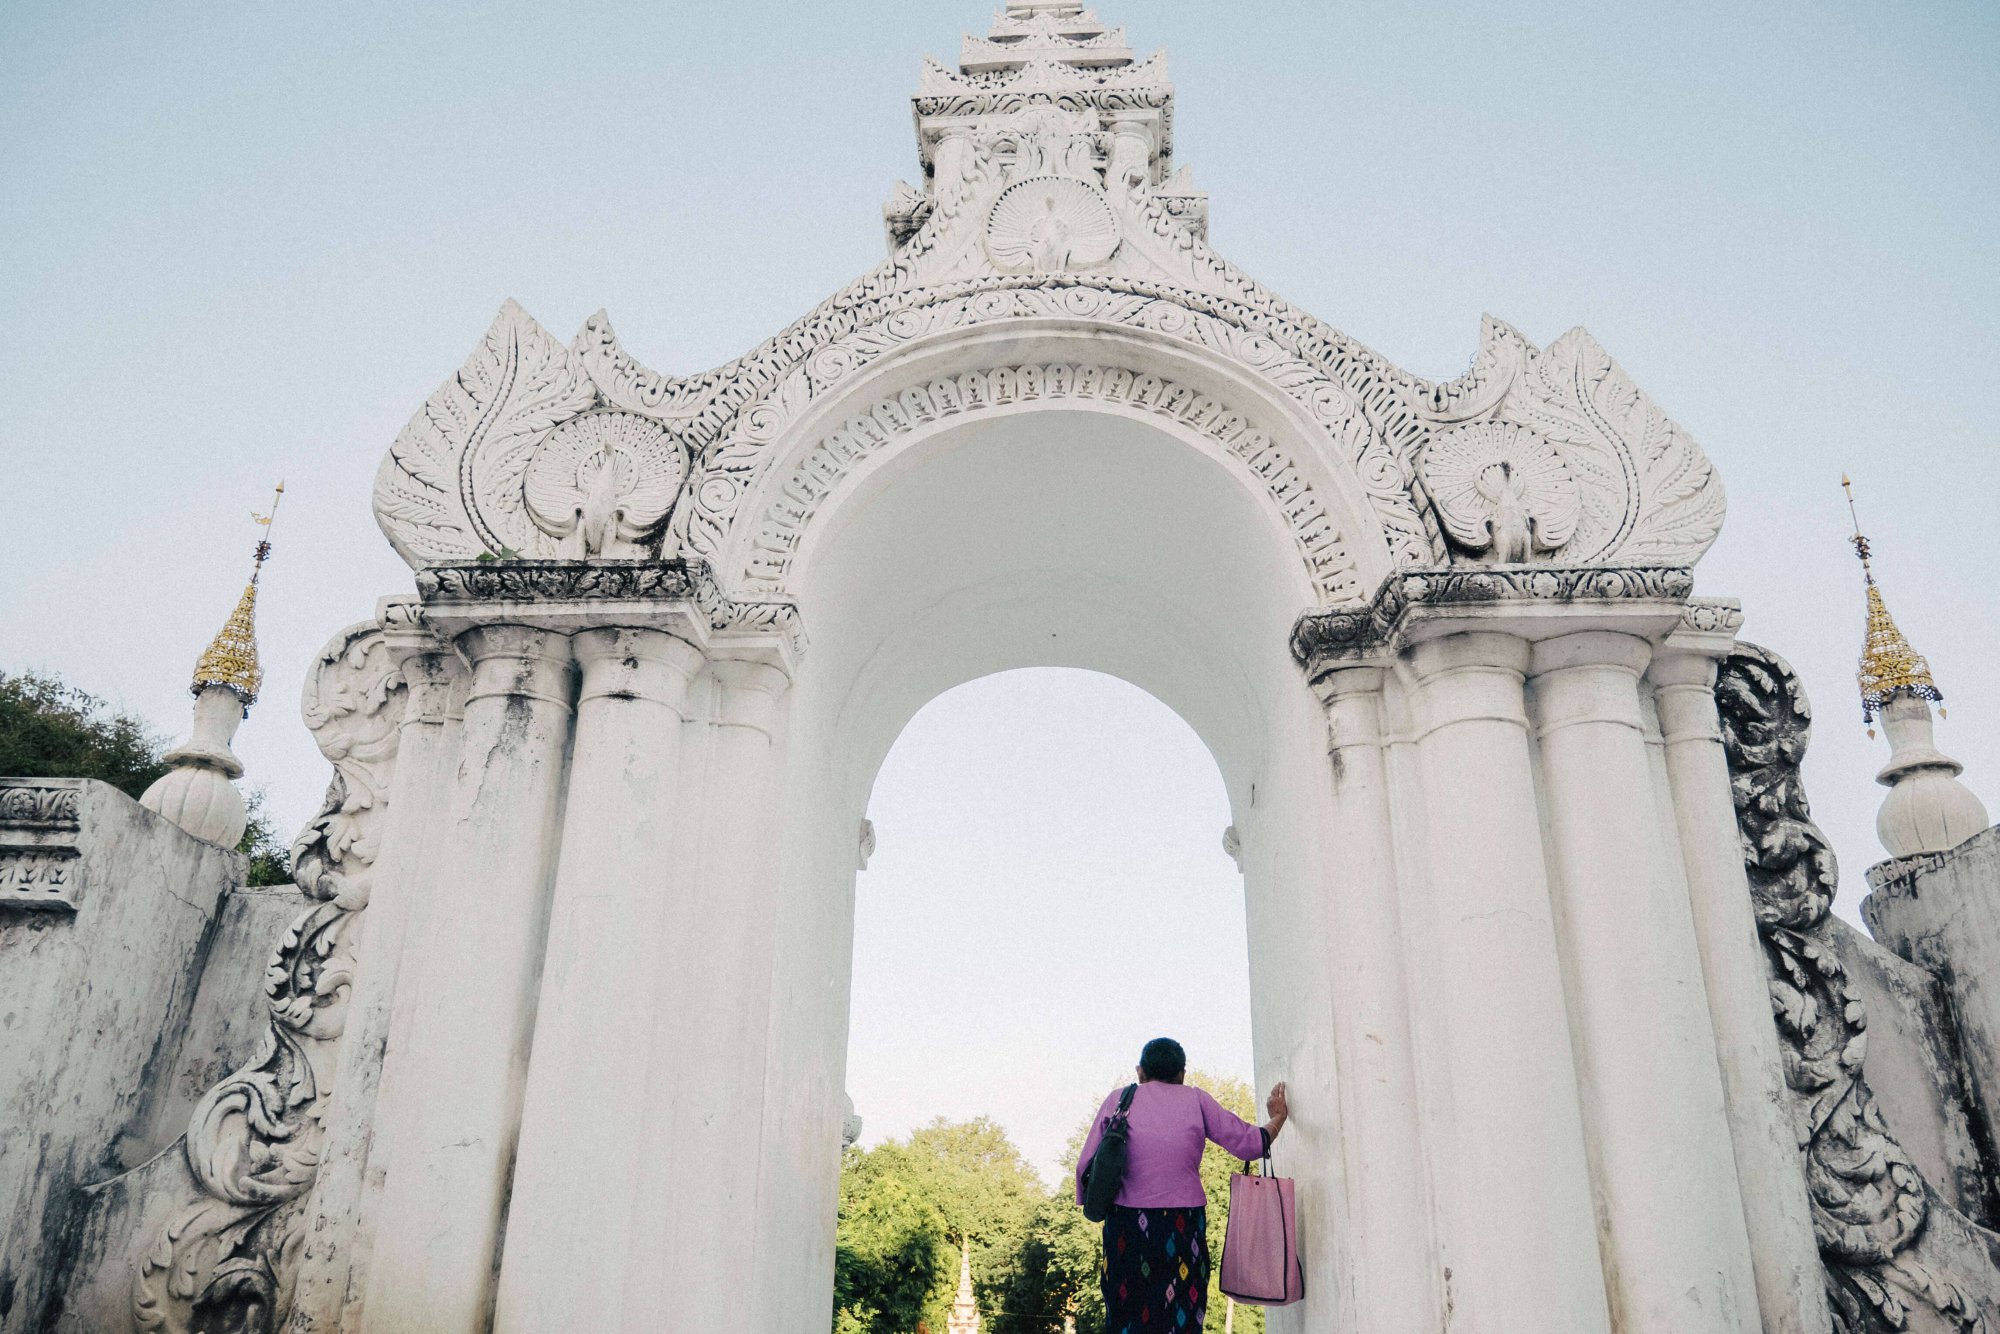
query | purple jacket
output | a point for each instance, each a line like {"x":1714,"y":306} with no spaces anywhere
{"x":1169,"y":1123}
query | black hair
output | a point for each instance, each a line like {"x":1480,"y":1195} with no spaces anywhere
{"x":1163,"y":1060}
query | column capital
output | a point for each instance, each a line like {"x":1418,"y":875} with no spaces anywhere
{"x":1708,"y":629}
{"x":635,"y":662}
{"x":678,"y":596}
{"x":1529,"y":602}
{"x":748,"y":694}
{"x":432,"y":667}
{"x":524,"y":661}
{"x":1343,"y":679}
{"x":1611,"y":649}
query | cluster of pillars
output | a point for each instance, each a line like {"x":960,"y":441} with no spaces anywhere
{"x":1560,"y":1087}
{"x":1561,"y":1084}
{"x":555,"y":1044}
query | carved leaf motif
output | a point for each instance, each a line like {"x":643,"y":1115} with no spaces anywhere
{"x":450,"y":487}
{"x":1648,"y":492}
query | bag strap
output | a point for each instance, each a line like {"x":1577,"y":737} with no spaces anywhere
{"x":1125,"y":1101}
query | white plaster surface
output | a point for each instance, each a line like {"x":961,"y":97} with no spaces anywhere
{"x":93,"y":1004}
{"x":1791,"y":1289}
{"x":458,"y":1076}
{"x":1675,"y":1250}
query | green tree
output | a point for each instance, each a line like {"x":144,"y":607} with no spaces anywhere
{"x":52,"y":730}
{"x":1056,"y":1273}
{"x":270,"y":856}
{"x":886,"y":1260}
{"x":907,"y":1206}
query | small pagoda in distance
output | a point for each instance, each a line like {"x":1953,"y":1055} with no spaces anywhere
{"x":964,"y":1318}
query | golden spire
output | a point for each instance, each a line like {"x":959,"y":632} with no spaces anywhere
{"x":1889,"y":666}
{"x":231,"y":657}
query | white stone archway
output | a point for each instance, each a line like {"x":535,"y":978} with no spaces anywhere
{"x":1440,"y":637}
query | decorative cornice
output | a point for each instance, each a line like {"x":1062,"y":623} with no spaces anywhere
{"x":41,"y":803}
{"x":593,"y":589}
{"x":1350,"y":633}
{"x":556,"y":581}
{"x":40,"y":821}
{"x":1712,"y":616}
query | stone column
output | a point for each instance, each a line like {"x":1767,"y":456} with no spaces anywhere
{"x":454,"y":1086}
{"x":1517,"y":1235}
{"x":1676,"y":1253}
{"x":337,"y":1234}
{"x":618,"y":899}
{"x":1791,"y":1285}
{"x":694,"y":1206}
{"x":1392,"y":1258}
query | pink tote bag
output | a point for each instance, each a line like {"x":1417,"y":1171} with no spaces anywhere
{"x":1260,"y":1247}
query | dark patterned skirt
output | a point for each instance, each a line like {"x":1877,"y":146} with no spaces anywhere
{"x":1155,"y":1271}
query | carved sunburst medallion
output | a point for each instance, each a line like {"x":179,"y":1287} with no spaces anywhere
{"x":602,"y":483}
{"x":1501,"y":490}
{"x":1050,"y":224}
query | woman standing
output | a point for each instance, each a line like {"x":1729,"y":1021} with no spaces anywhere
{"x":1156,"y":1257}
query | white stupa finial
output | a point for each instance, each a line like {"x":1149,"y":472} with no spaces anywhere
{"x":1927,"y":809}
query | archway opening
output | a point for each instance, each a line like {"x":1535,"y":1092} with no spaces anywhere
{"x":1049,"y":891}
{"x":1063,"y":538}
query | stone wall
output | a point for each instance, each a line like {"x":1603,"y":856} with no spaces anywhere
{"x":1916,"y":1071}
{"x":107,"y":913}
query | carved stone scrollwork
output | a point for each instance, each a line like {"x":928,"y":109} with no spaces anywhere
{"x":33,"y":805}
{"x":1870,"y":1206}
{"x":252,"y":1145}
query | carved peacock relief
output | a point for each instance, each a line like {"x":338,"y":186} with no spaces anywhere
{"x":1502,"y":491}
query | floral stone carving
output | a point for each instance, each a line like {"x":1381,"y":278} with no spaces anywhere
{"x":1052,"y":205}
{"x":1870,"y":1207}
{"x":252,"y":1145}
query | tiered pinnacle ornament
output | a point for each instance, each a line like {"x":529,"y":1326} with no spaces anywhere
{"x":230,"y":660}
{"x":197,"y":793}
{"x":1889,"y":666}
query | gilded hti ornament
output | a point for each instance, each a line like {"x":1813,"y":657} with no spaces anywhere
{"x":1889,"y":666}
{"x":230,"y":659}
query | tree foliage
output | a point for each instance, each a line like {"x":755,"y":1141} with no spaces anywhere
{"x":270,"y":856}
{"x":906,"y":1206}
{"x":52,"y":730}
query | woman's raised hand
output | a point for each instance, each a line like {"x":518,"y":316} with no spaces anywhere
{"x":1275,"y":1106}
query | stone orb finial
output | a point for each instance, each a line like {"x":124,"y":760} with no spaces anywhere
{"x":196,"y":793}
{"x":1927,"y":809}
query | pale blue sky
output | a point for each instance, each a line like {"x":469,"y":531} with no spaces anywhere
{"x":243,"y":241}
